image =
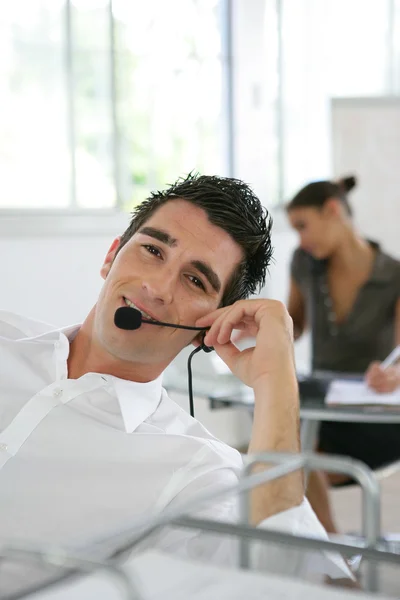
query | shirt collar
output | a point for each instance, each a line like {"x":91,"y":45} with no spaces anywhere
{"x":55,"y":333}
{"x":137,"y":401}
{"x":381,"y":270}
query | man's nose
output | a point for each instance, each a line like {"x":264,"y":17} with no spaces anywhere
{"x":160,"y":288}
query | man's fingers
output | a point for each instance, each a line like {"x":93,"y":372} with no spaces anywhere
{"x":239,"y":308}
{"x":241,"y":334}
{"x":235,"y":321}
{"x":213,"y":333}
{"x":228,"y":319}
{"x":227,"y":352}
{"x":262,"y":319}
{"x":208,"y":320}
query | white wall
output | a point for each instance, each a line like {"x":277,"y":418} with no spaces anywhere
{"x":50,"y":267}
{"x":284,"y":241}
{"x":54,"y":280}
{"x":366,"y":142}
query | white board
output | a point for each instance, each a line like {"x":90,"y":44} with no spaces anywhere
{"x":366,"y":143}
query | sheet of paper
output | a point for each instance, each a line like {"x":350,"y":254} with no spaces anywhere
{"x":342,"y":391}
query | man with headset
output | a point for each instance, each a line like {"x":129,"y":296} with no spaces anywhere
{"x":89,"y":439}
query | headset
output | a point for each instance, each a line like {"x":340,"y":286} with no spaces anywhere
{"x":131,"y":318}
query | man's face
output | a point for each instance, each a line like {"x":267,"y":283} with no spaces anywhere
{"x":175,"y":268}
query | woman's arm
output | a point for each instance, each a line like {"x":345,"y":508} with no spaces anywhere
{"x":386,"y":380}
{"x":296,"y":309}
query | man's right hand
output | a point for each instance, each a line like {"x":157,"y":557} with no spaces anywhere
{"x":238,"y":336}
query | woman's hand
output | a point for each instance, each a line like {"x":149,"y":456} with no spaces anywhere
{"x":382,"y":380}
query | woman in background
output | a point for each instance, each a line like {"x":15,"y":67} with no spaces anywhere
{"x":346,"y":290}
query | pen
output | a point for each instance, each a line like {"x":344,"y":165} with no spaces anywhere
{"x":391,"y":358}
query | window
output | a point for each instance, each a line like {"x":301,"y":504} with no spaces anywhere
{"x":34,"y":153}
{"x":103,"y":100}
{"x":169,"y":89}
{"x":335,"y":48}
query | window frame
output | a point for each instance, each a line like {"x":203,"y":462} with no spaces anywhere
{"x":73,"y":220}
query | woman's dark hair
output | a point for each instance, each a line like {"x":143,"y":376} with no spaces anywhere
{"x":314,"y":195}
{"x":231,"y":205}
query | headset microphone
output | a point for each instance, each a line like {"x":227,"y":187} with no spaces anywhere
{"x":131,"y":318}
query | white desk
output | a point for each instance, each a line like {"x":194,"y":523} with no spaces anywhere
{"x":312,"y":412}
{"x":159,"y":576}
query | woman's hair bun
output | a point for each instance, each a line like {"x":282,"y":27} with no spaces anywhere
{"x":346,"y":184}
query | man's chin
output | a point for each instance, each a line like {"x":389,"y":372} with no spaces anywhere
{"x":139,"y":354}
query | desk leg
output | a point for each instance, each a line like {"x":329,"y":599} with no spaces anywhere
{"x":308,"y":438}
{"x":309,"y":435}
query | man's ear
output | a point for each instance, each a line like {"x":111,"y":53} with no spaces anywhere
{"x":108,"y":261}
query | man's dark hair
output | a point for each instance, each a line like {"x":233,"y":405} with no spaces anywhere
{"x":231,"y":205}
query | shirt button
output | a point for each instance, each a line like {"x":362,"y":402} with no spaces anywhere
{"x":57,"y":393}
{"x":3,"y":447}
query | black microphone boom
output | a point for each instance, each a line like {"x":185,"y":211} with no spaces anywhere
{"x":130,"y":319}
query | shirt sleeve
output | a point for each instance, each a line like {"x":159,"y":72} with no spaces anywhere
{"x":300,"y":520}
{"x":224,"y":550}
{"x":14,"y":326}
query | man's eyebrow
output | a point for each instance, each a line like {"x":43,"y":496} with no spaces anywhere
{"x":204,"y":268}
{"x":159,"y":234}
{"x":208,"y":272}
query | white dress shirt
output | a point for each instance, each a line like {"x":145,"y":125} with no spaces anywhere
{"x":86,"y":457}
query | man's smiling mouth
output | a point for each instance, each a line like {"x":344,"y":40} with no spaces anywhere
{"x":132,"y":305}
